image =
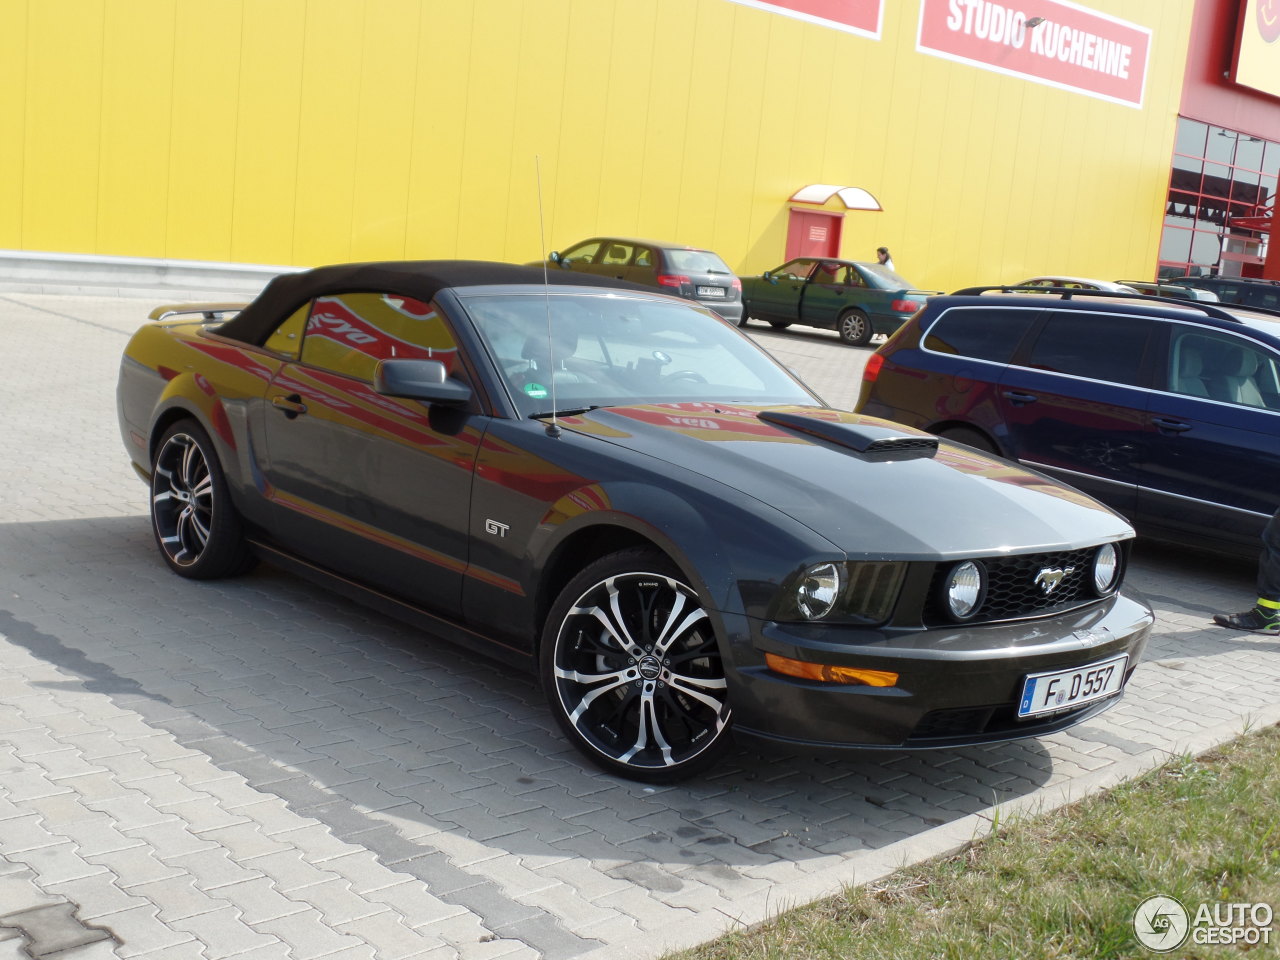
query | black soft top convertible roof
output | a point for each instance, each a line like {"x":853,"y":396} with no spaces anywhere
{"x":419,"y":279}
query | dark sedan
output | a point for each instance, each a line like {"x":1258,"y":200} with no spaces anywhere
{"x":627,"y":495}
{"x":673,"y":268}
{"x":858,"y":300}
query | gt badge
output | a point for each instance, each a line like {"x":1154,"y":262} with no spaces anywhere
{"x":496,"y":528}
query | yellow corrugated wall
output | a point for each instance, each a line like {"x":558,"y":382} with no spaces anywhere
{"x":313,"y":131}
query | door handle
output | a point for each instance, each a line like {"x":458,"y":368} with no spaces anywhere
{"x":1013,"y":396}
{"x":290,"y":406}
{"x":1173,"y":426}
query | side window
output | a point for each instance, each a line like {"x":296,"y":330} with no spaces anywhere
{"x":351,"y":332}
{"x":829,"y":273}
{"x":644,"y":257}
{"x":984,"y":334}
{"x":616,"y":254}
{"x":1203,"y":363}
{"x":1098,"y":346}
{"x":582,"y":253}
{"x":287,"y":338}
{"x":855,"y":279}
{"x":793,"y":270}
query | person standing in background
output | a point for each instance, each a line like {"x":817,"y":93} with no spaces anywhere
{"x":1264,"y":616}
{"x":882,"y":255}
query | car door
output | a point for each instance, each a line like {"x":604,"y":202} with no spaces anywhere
{"x":778,"y":297}
{"x":374,"y":487}
{"x":827,"y":294}
{"x":614,"y":258}
{"x":644,"y":266}
{"x":1074,"y":402}
{"x":1213,"y":438}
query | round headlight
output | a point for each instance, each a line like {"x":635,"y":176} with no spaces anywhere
{"x":818,"y":589}
{"x":965,"y":587}
{"x":1106,"y":568}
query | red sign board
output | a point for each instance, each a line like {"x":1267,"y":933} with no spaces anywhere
{"x":1069,"y":46}
{"x":853,"y":16}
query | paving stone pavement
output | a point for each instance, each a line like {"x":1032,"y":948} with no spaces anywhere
{"x":256,"y":769}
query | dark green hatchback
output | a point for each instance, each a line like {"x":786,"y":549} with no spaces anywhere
{"x":854,"y":298}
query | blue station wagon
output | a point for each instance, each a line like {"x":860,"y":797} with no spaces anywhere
{"x":1169,"y":412}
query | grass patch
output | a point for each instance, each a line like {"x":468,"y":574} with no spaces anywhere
{"x":1065,"y":884}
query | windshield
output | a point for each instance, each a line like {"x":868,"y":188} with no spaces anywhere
{"x":609,"y":349}
{"x":696,"y":261}
{"x":882,"y":278}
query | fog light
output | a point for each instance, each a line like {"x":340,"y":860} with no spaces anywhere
{"x":824,"y":673}
{"x":817,"y":591}
{"x":1106,"y":568}
{"x":965,"y":588}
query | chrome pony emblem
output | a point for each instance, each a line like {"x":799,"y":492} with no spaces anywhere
{"x":1049,"y":578}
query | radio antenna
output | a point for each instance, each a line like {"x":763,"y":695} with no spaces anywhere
{"x":553,"y":428}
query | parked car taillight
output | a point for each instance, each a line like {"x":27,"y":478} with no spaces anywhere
{"x":676,"y":280}
{"x":872,"y":370}
{"x":736,"y":284}
{"x":904,"y":306}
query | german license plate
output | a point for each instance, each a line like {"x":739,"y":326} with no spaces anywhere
{"x":1067,"y":689}
{"x":711,"y":292}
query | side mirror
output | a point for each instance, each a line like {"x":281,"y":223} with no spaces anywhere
{"x":419,"y":380}
{"x":554,"y":256}
{"x":770,"y":277}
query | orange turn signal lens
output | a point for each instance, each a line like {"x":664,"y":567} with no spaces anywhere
{"x":824,"y":673}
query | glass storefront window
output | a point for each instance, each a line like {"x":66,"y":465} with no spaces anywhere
{"x":1175,"y":244}
{"x":1191,"y":136}
{"x":1218,"y":174}
{"x":1205,"y":247}
{"x":1249,"y":152}
{"x":1221,"y":145}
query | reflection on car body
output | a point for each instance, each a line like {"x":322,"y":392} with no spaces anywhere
{"x":622,"y":492}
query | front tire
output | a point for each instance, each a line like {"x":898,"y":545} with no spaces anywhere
{"x":632,"y":670}
{"x":779,"y":324}
{"x":854,"y":328}
{"x":196,"y":526}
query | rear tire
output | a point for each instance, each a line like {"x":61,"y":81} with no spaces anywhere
{"x":970,"y":438}
{"x":196,"y":526}
{"x":854,"y":328}
{"x":632,"y":670}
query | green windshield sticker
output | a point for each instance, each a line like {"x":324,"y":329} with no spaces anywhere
{"x":535,"y":390}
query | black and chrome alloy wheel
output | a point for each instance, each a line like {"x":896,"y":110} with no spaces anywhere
{"x":635,"y":675}
{"x":194,"y":521}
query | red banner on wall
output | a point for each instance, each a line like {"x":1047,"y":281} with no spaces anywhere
{"x":853,"y":16}
{"x":1067,"y":45}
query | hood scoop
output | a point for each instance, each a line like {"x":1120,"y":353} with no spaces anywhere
{"x":882,"y":443}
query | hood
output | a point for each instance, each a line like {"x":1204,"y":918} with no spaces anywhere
{"x":873,"y":488}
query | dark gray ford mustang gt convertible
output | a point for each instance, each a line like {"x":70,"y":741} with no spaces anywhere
{"x":623,"y":492}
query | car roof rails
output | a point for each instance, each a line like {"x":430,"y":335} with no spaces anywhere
{"x":1068,"y":292}
{"x":1219,"y":278}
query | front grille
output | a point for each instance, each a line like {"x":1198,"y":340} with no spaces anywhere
{"x":1016,"y":586}
{"x":978,"y":723}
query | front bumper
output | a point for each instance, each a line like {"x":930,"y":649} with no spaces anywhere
{"x":957,"y":686}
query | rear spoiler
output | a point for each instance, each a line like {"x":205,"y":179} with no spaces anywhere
{"x":210,"y":312}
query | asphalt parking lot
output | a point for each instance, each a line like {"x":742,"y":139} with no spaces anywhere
{"x":257,"y":769}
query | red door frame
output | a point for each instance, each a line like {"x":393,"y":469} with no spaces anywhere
{"x":813,"y":233}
